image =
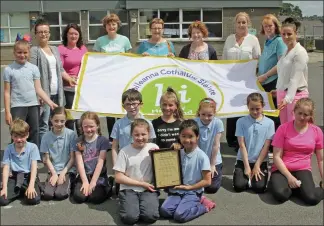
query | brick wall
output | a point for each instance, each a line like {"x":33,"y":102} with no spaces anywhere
{"x":256,"y":15}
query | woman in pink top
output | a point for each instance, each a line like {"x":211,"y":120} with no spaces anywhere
{"x":294,"y":144}
{"x":71,"y":53}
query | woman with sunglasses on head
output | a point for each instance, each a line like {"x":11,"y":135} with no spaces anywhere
{"x":156,"y":45}
{"x":71,"y":52}
{"x":47,"y":59}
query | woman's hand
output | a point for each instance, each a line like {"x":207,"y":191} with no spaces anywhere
{"x":170,"y":54}
{"x":262,"y":78}
{"x":282,"y":104}
{"x":8,"y":118}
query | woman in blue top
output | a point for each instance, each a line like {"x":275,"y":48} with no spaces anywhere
{"x":156,"y":45}
{"x":273,"y":49}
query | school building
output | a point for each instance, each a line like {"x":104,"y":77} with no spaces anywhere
{"x":19,"y":17}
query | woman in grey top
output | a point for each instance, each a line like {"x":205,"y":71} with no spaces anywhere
{"x":47,"y":59}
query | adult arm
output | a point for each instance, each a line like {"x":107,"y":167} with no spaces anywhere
{"x":41,"y":93}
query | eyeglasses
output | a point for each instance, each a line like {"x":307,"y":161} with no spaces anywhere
{"x":43,"y":32}
{"x":128,"y":105}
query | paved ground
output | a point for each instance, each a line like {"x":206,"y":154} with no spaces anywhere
{"x":232,"y":208}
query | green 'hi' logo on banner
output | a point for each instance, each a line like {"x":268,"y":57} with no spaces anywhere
{"x":153,"y":82}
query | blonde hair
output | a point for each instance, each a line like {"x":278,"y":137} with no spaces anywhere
{"x":244,"y":14}
{"x":171,"y":94}
{"x":308,"y":102}
{"x":157,"y":21}
{"x":19,"y":127}
{"x":274,"y":20}
{"x":140,"y":122}
{"x":22,"y":43}
{"x":206,"y":102}
{"x":111,"y":18}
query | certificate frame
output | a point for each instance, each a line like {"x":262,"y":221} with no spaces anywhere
{"x":167,"y":170}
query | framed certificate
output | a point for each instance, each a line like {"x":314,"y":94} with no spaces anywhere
{"x":167,"y":169}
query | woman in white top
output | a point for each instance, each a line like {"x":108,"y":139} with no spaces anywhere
{"x":239,"y":46}
{"x":292,"y":83}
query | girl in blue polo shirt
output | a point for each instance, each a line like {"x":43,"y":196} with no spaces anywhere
{"x":254,"y":133}
{"x":58,"y":156}
{"x":211,"y":129}
{"x":183,"y":203}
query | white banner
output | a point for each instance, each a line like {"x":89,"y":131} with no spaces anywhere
{"x":104,"y":77}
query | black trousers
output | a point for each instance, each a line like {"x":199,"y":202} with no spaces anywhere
{"x":240,"y":180}
{"x":268,"y":87}
{"x":31,"y":116}
{"x":230,"y":132}
{"x":307,"y":192}
{"x":69,"y":97}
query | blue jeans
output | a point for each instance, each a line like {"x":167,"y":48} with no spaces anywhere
{"x":45,"y":117}
{"x":183,"y":207}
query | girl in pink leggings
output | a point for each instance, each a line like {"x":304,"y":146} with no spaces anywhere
{"x":292,"y":71}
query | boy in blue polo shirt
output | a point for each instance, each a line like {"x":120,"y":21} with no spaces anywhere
{"x":132,"y":102}
{"x":21,"y":157}
{"x":58,"y":156}
{"x":21,"y":87}
{"x":254,"y":133}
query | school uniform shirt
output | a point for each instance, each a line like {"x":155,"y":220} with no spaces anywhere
{"x":156,"y":49}
{"x":249,"y":49}
{"x":59,"y":148}
{"x":135,"y":164}
{"x":192,"y":165}
{"x":21,"y":163}
{"x":207,"y":135}
{"x":91,"y":153}
{"x":293,"y":72}
{"x":21,"y":78}
{"x":255,"y":133}
{"x":120,"y":44}
{"x":166,"y":133}
{"x":121,"y":131}
{"x":298,"y":148}
{"x":273,"y":49}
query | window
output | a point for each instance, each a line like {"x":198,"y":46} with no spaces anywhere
{"x":177,"y":21}
{"x":95,"y":25}
{"x":59,"y":20}
{"x":13,"y":24}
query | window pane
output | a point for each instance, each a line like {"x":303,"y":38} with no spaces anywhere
{"x":147,"y":15}
{"x":124,"y":30}
{"x":185,"y":30}
{"x":96,"y":31}
{"x":4,"y":19}
{"x":214,"y":30}
{"x":52,"y":18}
{"x":144,"y":31}
{"x":55,"y":34}
{"x":4,"y":35}
{"x":191,"y":15}
{"x":171,"y":31}
{"x":169,"y":16}
{"x":70,"y":17}
{"x":95,"y":17}
{"x":122,"y":14}
{"x":19,"y":20}
{"x":15,"y":31}
{"x":212,"y":15}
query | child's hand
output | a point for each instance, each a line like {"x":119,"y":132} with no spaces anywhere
{"x":30,"y":192}
{"x":247,"y":172}
{"x":170,"y":54}
{"x":183,"y":187}
{"x":176,"y":146}
{"x":92,"y":186}
{"x":8,"y":118}
{"x":153,"y":149}
{"x":53,"y":179}
{"x":61,"y":179}
{"x":256,"y":172}
{"x":145,"y":54}
{"x":148,"y":186}
{"x":213,"y":170}
{"x":85,"y":188}
{"x":4,"y":192}
{"x":293,"y":182}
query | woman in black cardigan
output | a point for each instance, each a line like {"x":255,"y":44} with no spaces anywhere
{"x":198,"y":49}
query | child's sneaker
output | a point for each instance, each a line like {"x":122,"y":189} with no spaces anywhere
{"x":207,"y":203}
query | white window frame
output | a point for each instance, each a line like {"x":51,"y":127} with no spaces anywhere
{"x":12,"y":42}
{"x":97,"y":25}
{"x":62,"y":26}
{"x":181,"y":22}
